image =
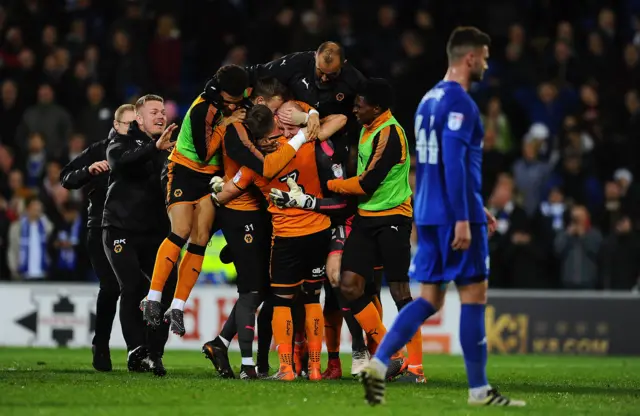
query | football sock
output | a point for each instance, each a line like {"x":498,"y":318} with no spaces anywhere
{"x":314,"y":326}
{"x":357,"y":336}
{"x":246,"y":321}
{"x":404,"y":328}
{"x":282,"y":324}
{"x":368,"y":318}
{"x":414,"y":346}
{"x":230,"y":327}
{"x":189,"y":271}
{"x":166,"y":259}
{"x":474,"y":344}
{"x":332,"y":330}
{"x":265,"y":334}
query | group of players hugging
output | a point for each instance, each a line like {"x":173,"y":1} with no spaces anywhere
{"x":271,"y":156}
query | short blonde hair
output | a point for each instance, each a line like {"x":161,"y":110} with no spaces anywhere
{"x":149,"y":97}
{"x":121,"y":110}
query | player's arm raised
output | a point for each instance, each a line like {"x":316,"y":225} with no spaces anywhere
{"x":240,"y":148}
{"x":81,"y":169}
{"x":456,"y":135}
{"x":330,"y":125}
{"x":389,"y":149}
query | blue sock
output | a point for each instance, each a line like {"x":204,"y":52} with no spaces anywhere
{"x":474,"y":344}
{"x":406,"y":324}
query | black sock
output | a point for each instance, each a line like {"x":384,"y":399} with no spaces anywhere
{"x":265,"y":334}
{"x":230,"y":328}
{"x":402,"y":303}
{"x":334,"y":355}
{"x":246,"y":321}
{"x":357,"y":336}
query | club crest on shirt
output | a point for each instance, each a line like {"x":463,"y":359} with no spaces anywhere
{"x":455,"y":120}
{"x":339,"y":96}
{"x":337,"y":170}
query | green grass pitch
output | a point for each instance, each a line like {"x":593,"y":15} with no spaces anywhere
{"x":62,"y":382}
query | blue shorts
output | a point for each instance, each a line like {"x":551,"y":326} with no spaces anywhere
{"x":436,"y":262}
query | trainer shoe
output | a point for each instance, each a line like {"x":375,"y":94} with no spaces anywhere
{"x":334,"y":370}
{"x":397,"y":365}
{"x":101,"y":358}
{"x":413,"y":375}
{"x":263,"y":372}
{"x":176,"y":318}
{"x":137,"y":359}
{"x":359,"y":360}
{"x":314,"y":374}
{"x":157,"y":366}
{"x":248,"y":372}
{"x":285,"y":373}
{"x":151,"y":312}
{"x":372,"y":379}
{"x":494,"y":398}
{"x":217,"y":353}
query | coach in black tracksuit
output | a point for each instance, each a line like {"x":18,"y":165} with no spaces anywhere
{"x":135,"y":223}
{"x":90,"y":169}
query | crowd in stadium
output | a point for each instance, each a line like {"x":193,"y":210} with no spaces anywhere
{"x":560,"y":103}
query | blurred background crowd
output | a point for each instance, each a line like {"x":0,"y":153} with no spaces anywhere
{"x":560,"y":105}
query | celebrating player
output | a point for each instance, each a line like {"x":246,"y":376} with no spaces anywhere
{"x":298,"y":252}
{"x":193,"y":162}
{"x":451,"y":220}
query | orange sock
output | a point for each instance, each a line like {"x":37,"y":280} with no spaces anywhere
{"x":332,"y":330}
{"x":370,"y":321}
{"x":282,"y":324}
{"x":314,"y":323}
{"x":189,"y":271}
{"x":377,"y":304}
{"x":414,"y":348}
{"x":166,"y":259}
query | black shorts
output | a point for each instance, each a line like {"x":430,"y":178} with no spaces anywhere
{"x":375,"y":241}
{"x":298,"y":260}
{"x":183,"y":185}
{"x":248,"y":235}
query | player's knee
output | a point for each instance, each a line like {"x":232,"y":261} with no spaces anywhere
{"x":182,"y":229}
{"x":200,"y":235}
{"x":473,"y":293}
{"x":399,"y":291}
{"x":350,"y":287}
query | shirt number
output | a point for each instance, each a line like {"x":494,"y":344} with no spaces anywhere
{"x":427,"y":150}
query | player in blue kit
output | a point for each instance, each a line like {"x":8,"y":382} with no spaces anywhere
{"x":453,"y":224}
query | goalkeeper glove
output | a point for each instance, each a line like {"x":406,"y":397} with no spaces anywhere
{"x":295,"y":198}
{"x":216,"y":184}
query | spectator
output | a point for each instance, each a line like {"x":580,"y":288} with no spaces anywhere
{"x":27,"y":256}
{"x":5,"y":223}
{"x":620,"y":260}
{"x":495,"y":119}
{"x":48,"y":118}
{"x":12,"y":46}
{"x":6,"y":164}
{"x":510,"y":217}
{"x":49,"y":41}
{"x":597,"y":65}
{"x":494,"y":162}
{"x":629,"y":194}
{"x":126,"y":69}
{"x":578,"y":185}
{"x":612,"y":208}
{"x":19,"y":194}
{"x":524,"y":260}
{"x":531,"y":175}
{"x":310,"y":32}
{"x":36,"y":160}
{"x":53,"y":194}
{"x":27,"y":76}
{"x":577,"y":250}
{"x":76,"y":39}
{"x":383,"y":48}
{"x":564,"y":68}
{"x":65,"y":246}
{"x":10,"y":113}
{"x":165,"y":55}
{"x":94,"y":121}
